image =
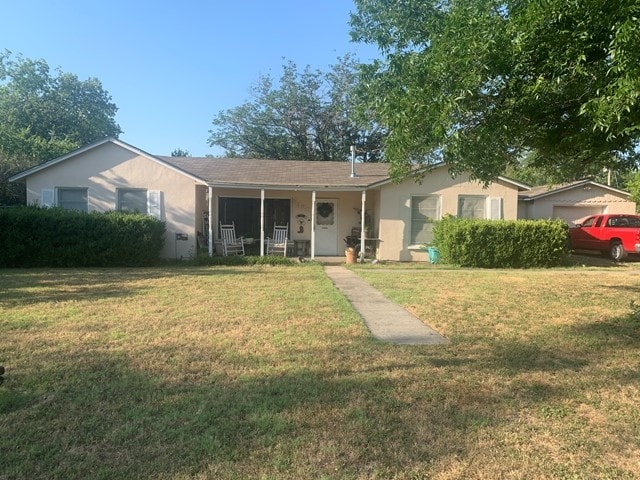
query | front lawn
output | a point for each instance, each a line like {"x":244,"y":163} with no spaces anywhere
{"x":266,"y":372}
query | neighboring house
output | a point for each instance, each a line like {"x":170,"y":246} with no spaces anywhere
{"x":320,"y":201}
{"x":573,"y":201}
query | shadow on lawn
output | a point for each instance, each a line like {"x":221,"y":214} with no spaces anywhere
{"x":59,"y":285}
{"x":619,"y":332}
{"x":628,"y":288}
{"x":31,"y":286}
{"x":103,"y":418}
{"x":570,"y":348}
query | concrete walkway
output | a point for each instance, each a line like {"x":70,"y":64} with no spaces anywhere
{"x":386,"y":320}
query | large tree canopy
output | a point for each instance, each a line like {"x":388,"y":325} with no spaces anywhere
{"x":308,"y":115}
{"x":44,"y":115}
{"x":483,"y":83}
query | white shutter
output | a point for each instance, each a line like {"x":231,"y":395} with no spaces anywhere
{"x":47,"y":197}
{"x":155,"y":204}
{"x":494,"y":208}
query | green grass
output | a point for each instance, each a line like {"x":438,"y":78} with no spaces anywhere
{"x":266,"y":372}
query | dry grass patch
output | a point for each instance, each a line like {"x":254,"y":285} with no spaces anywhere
{"x":266,"y":372}
{"x":546,"y":346}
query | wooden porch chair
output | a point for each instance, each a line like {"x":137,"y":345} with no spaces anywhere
{"x":230,"y":244}
{"x":279,"y":242}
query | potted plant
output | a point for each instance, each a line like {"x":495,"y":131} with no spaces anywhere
{"x":350,"y":251}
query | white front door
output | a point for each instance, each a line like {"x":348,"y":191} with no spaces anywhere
{"x":326,"y":227}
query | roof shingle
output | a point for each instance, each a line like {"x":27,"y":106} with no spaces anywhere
{"x":285,"y":173}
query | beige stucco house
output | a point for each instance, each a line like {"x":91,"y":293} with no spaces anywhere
{"x":322,"y":202}
{"x":573,"y":201}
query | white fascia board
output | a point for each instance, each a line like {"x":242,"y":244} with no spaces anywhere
{"x":520,"y":185}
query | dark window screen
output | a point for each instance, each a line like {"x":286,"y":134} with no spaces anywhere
{"x":245,"y":214}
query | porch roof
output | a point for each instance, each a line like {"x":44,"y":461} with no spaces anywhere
{"x":284,"y":174}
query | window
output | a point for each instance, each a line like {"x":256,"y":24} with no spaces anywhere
{"x":325,"y":213}
{"x":73,"y":199}
{"x":245,"y":214}
{"x":479,"y":206}
{"x":472,"y":207}
{"x":132,"y":200}
{"x":141,"y":200}
{"x":424,"y":211}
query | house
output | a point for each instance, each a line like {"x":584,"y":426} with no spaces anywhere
{"x":321,"y":202}
{"x":573,"y":201}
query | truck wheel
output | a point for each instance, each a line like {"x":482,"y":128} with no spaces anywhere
{"x":616,"y":252}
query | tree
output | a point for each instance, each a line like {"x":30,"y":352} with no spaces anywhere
{"x":633,"y":187}
{"x":45,"y":115}
{"x":482,"y":84}
{"x":308,"y":115}
{"x":179,"y":152}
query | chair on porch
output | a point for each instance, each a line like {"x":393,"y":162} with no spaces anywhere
{"x":230,"y":244}
{"x":279,"y":242}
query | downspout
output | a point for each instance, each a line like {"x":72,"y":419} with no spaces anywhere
{"x":362,"y":230}
{"x":262,"y":222}
{"x":313,"y":225}
{"x":210,"y":232}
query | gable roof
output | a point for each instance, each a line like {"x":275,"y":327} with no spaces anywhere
{"x":545,"y":190}
{"x":243,"y":173}
{"x":86,"y":148}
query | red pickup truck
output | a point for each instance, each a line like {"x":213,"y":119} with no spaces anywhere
{"x":615,"y":235}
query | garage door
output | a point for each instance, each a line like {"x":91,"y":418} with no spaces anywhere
{"x":571,"y":214}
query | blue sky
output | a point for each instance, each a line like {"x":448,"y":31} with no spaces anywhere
{"x":170,"y":67}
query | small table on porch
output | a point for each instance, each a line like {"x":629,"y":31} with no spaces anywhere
{"x":302,"y":248}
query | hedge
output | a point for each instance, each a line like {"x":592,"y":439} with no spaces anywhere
{"x":501,"y":243}
{"x":203,"y":259}
{"x":53,"y":237}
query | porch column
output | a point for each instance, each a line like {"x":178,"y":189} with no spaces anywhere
{"x":362,"y":214}
{"x":313,"y":225}
{"x":262,"y":222}
{"x":210,"y":232}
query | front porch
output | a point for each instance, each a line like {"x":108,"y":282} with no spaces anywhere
{"x":318,"y":221}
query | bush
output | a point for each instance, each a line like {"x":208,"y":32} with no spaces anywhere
{"x":501,"y":244}
{"x":205,"y":259}
{"x":53,"y":237}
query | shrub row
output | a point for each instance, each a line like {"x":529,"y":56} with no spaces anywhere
{"x":53,"y":237}
{"x":501,"y":244}
{"x":206,"y":260}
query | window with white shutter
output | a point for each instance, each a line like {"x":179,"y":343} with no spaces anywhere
{"x":472,"y":206}
{"x":480,"y":206}
{"x":132,"y":200}
{"x":73,"y":199}
{"x":141,"y":200}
